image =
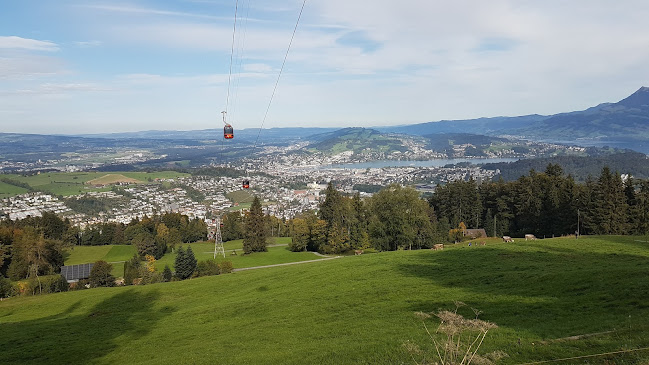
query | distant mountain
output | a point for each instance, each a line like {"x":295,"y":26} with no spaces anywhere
{"x":243,"y":136}
{"x":496,"y":125}
{"x":626,"y":119}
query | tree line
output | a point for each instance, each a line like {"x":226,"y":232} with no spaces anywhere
{"x":545,"y":204}
{"x":35,"y":245}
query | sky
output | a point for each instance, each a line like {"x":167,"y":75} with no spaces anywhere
{"x":84,"y":66}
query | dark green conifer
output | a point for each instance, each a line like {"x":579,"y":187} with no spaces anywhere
{"x":255,"y":229}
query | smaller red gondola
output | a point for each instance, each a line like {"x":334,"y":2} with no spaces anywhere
{"x":246,"y":184}
{"x":228,"y":132}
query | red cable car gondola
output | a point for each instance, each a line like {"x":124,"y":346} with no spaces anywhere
{"x":246,"y":184}
{"x":228,"y":132}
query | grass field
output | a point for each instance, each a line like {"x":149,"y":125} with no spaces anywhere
{"x":63,"y":183}
{"x":8,"y":190}
{"x":240,"y":196}
{"x":109,"y":253}
{"x":202,"y":251}
{"x":355,"y":310}
{"x":275,"y":255}
{"x":113,"y":179}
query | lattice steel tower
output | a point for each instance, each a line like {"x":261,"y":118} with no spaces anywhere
{"x":218,"y":241}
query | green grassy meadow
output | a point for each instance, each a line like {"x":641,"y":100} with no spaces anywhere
{"x":202,"y":251}
{"x":8,"y":190}
{"x":72,"y":183}
{"x":240,"y":196}
{"x":355,"y":310}
{"x":109,"y":253}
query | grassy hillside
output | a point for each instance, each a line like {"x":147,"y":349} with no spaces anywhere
{"x":354,"y":310}
{"x":240,"y":196}
{"x":63,"y":183}
{"x":8,"y":190}
{"x":116,"y":254}
{"x":358,"y":140}
{"x":112,"y":179}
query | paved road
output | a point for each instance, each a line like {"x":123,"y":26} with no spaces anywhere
{"x":288,"y":263}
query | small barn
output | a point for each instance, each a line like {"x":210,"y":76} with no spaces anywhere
{"x":475,"y":233}
{"x":74,"y":273}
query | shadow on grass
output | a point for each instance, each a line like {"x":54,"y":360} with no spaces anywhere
{"x":73,"y":337}
{"x":544,"y":291}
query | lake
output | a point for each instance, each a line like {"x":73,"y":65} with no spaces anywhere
{"x":428,"y":163}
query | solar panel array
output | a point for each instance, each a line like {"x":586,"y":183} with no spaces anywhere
{"x":76,"y":272}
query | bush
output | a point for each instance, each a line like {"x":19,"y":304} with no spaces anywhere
{"x":207,"y":268}
{"x":79,"y":285}
{"x":7,"y":288}
{"x":225,"y":267}
{"x":44,"y":285}
{"x":132,"y":270}
{"x":101,"y":275}
{"x":152,"y":278}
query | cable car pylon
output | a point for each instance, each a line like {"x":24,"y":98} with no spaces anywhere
{"x":218,"y":241}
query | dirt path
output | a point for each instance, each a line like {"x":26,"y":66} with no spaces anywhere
{"x":288,"y":263}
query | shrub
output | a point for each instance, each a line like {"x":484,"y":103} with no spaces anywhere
{"x":152,"y":278}
{"x":456,"y":339}
{"x":132,"y":270}
{"x":7,"y":288}
{"x":44,"y":285}
{"x":79,"y":285}
{"x":207,"y":268}
{"x":225,"y":267}
{"x":100,"y":275}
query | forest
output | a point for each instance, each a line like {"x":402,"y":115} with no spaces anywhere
{"x":546,"y":204}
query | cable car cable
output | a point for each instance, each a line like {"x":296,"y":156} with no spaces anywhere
{"x":234,"y":31}
{"x":280,"y":74}
{"x":246,"y":182}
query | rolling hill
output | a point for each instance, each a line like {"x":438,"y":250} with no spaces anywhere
{"x":359,"y":141}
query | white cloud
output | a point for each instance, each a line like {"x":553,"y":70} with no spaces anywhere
{"x":13,"y":42}
{"x":52,"y":88}
{"x":88,"y":44}
{"x":257,"y":67}
{"x":135,"y":10}
{"x":18,"y":66}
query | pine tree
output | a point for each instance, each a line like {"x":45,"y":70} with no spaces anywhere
{"x":489,"y":224}
{"x":256,"y":233}
{"x":166,"y":273}
{"x":191,"y":262}
{"x":610,"y":205}
{"x":180,"y":264}
{"x":642,"y":208}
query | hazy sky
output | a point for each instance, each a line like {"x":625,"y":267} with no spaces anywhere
{"x":83,"y":66}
